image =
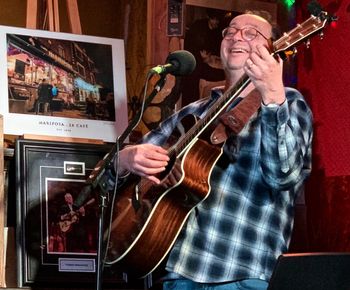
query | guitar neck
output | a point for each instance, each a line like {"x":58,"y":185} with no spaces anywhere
{"x":289,"y":40}
{"x":214,"y":111}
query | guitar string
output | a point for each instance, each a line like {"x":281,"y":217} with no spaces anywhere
{"x":307,"y":28}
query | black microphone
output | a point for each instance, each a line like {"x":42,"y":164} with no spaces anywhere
{"x":178,"y":63}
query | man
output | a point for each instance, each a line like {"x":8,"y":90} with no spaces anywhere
{"x":70,"y":221}
{"x":44,"y":96}
{"x":204,"y":33}
{"x":233,"y":238}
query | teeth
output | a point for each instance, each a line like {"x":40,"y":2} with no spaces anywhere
{"x":237,"y":50}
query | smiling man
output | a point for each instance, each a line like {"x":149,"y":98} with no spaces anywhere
{"x":245,"y":49}
{"x":232,"y":239}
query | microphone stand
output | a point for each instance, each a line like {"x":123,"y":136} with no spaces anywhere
{"x":95,"y":178}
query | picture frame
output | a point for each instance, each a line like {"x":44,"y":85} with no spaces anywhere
{"x":51,"y":250}
{"x":62,"y":84}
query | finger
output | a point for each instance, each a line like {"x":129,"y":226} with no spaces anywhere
{"x":143,"y":171}
{"x":265,"y":55}
{"x":255,"y":58}
{"x":260,"y":61}
{"x":249,"y":64}
{"x":158,"y":156}
{"x":145,"y":163}
{"x":155,"y":152}
{"x":155,"y":148}
{"x":263,"y":52}
{"x":146,"y":157}
{"x":153,"y":179}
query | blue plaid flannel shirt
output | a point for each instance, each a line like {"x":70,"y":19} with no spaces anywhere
{"x":246,"y":222}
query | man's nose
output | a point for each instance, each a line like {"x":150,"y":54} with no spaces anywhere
{"x":237,"y":36}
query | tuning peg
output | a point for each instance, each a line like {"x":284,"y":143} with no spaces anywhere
{"x":292,"y":52}
{"x":321,"y":35}
{"x":307,"y":43}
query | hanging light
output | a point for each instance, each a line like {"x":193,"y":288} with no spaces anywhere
{"x":288,"y":3}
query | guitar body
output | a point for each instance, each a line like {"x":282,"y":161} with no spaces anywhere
{"x":147,"y":218}
{"x":65,"y":225}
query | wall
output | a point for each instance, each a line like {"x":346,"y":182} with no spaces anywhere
{"x":323,"y":78}
{"x":122,"y":19}
{"x":105,"y":18}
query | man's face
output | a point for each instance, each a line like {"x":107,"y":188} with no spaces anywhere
{"x":68,"y":197}
{"x":235,"y":50}
{"x":213,"y":23}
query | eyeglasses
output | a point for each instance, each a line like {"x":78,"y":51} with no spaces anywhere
{"x":248,"y":33}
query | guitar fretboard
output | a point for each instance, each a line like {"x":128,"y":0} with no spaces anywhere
{"x":214,"y":111}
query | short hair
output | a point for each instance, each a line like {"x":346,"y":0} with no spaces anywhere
{"x":275,"y":31}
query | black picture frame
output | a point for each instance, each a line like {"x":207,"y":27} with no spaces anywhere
{"x":45,"y":170}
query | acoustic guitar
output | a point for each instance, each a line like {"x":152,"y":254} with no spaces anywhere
{"x":146,"y":218}
{"x":72,"y":217}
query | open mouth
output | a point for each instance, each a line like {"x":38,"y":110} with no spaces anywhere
{"x":238,"y":50}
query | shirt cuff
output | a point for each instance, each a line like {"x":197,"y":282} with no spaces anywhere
{"x":274,"y":114}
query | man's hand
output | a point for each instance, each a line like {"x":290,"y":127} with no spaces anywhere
{"x":266,"y":74}
{"x":81,"y":211}
{"x":145,"y":160}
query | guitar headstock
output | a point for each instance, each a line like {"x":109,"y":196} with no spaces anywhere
{"x":302,"y":32}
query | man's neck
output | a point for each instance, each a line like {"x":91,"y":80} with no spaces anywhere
{"x":233,"y":80}
{"x":233,"y":76}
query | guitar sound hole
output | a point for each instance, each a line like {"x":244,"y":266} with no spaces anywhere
{"x":169,"y":167}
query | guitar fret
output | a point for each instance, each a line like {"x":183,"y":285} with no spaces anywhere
{"x":126,"y":236}
{"x":289,"y":39}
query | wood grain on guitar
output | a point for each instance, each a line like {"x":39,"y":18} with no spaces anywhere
{"x":147,"y":218}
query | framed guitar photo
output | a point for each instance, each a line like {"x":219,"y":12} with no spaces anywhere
{"x":56,"y":240}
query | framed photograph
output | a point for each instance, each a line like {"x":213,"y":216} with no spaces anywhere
{"x":57,"y":240}
{"x":61,"y":84}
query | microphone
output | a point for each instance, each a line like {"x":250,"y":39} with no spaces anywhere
{"x":178,"y":63}
{"x":83,"y":195}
